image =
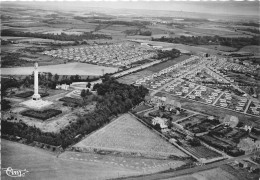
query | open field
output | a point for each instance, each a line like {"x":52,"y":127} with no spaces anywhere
{"x":223,"y":32}
{"x":131,"y":78}
{"x":212,"y":174}
{"x":62,"y":69}
{"x":181,"y":47}
{"x":171,"y":62}
{"x":44,"y":165}
{"x":126,"y":134}
{"x":219,"y":48}
{"x":146,"y":165}
{"x":251,"y":49}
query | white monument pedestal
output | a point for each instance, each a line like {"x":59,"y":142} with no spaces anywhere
{"x":36,"y":104}
{"x":36,"y":97}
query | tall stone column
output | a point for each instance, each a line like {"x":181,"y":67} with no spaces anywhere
{"x":36,"y":95}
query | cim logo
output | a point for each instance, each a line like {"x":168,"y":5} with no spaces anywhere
{"x":15,"y":172}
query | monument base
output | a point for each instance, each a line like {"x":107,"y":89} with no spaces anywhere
{"x":36,"y":97}
{"x":36,"y":104}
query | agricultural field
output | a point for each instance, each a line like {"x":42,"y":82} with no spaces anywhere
{"x":126,"y":134}
{"x":212,"y":31}
{"x":140,"y":164}
{"x":16,"y":154}
{"x":220,"y":48}
{"x":251,"y":49}
{"x":212,"y":174}
{"x":62,"y":69}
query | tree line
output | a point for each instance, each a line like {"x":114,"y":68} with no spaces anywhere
{"x":126,"y":23}
{"x":60,"y":37}
{"x":132,"y":32}
{"x":212,"y":40}
{"x":113,"y":98}
{"x":174,"y":53}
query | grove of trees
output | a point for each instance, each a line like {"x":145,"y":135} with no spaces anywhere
{"x":113,"y":98}
{"x":212,"y":40}
{"x":60,"y":37}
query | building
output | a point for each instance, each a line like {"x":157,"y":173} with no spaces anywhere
{"x":161,"y":121}
{"x":63,"y":86}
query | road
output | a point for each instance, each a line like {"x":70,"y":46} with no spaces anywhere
{"x":166,"y":175}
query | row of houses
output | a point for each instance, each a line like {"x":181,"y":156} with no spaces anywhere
{"x":155,"y":77}
{"x":110,"y":55}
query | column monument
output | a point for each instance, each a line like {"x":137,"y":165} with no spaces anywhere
{"x":36,"y":96}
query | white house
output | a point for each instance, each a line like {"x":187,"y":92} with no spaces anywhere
{"x":161,"y":121}
{"x":63,"y":86}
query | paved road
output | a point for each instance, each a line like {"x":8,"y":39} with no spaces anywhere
{"x":166,"y":175}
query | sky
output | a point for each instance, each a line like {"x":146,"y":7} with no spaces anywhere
{"x":213,"y":7}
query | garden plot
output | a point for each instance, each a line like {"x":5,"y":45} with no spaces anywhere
{"x":180,"y":88}
{"x":199,"y":123}
{"x":192,"y":120}
{"x":202,"y":151}
{"x":233,"y":102}
{"x":254,"y":108}
{"x":128,"y":135}
{"x":204,"y":94}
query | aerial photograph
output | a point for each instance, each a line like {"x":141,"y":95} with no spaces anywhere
{"x":130,"y":90}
